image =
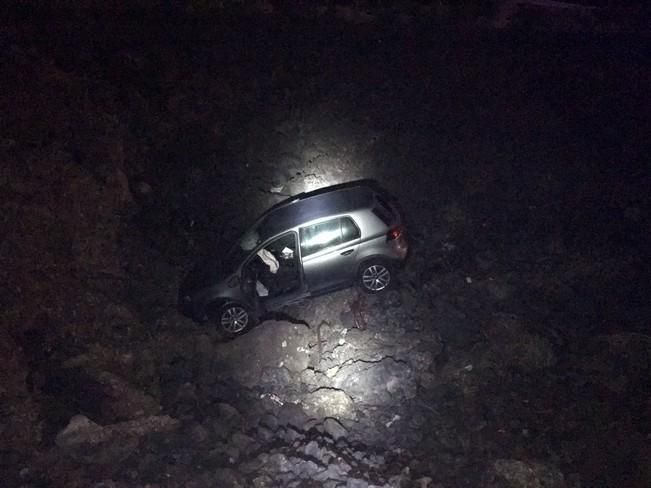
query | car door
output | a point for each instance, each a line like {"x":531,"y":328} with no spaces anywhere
{"x":274,"y":267}
{"x":328,"y":253}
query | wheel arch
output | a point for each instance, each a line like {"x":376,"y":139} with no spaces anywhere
{"x":373,"y":259}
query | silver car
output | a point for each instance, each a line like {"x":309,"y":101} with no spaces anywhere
{"x":308,"y":245}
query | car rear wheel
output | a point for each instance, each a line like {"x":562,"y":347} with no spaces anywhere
{"x":234,"y":319}
{"x":375,"y":276}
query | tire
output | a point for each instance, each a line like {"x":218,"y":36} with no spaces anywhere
{"x":375,"y":276}
{"x":233,"y":319}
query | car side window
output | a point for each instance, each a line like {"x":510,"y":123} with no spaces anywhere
{"x":316,"y":237}
{"x":349,"y":231}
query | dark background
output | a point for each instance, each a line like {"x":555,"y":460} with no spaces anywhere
{"x":136,"y":139}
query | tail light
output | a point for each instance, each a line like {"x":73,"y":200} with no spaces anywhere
{"x":395,"y":233}
{"x":397,"y":240}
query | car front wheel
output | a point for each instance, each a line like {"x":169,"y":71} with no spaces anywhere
{"x":375,"y":276}
{"x":234,"y":319}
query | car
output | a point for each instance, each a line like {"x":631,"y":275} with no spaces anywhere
{"x":308,"y":245}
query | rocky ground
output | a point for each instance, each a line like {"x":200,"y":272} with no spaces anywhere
{"x":514,"y":351}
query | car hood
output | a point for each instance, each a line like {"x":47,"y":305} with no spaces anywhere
{"x":207,"y":272}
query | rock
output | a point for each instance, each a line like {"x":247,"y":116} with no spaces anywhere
{"x":228,"y":477}
{"x":520,"y":474}
{"x":306,"y":469}
{"x":329,"y":402}
{"x":403,"y":479}
{"x":312,"y":449}
{"x":263,"y":481}
{"x":228,"y":416}
{"x":334,"y":428}
{"x":243,"y":442}
{"x":265,"y":435}
{"x":226,"y":451}
{"x":289,"y":434}
{"x":276,"y":378}
{"x":269,"y":421}
{"x":92,"y":443}
{"x":424,"y":482}
{"x":356,"y":483}
{"x":123,"y":401}
{"x":279,"y":463}
{"x":221,"y":429}
{"x":81,"y":430}
{"x":376,"y":459}
{"x":377,"y":383}
{"x":253,"y":465}
{"x":292,"y":415}
{"x":338,"y":471}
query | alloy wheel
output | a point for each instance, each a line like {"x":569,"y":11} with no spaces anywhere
{"x":234,"y":319}
{"x":376,"y":277}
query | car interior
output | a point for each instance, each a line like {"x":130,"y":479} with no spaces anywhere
{"x":286,"y":279}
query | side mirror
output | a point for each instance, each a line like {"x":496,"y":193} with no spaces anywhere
{"x":233,"y":282}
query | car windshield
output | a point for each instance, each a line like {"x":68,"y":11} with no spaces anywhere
{"x":221,"y":265}
{"x":257,"y":234}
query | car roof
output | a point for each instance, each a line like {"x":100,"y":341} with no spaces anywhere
{"x":306,"y":207}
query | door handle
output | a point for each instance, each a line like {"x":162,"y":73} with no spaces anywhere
{"x":346,"y":253}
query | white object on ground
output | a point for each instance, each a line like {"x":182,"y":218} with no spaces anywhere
{"x":392,"y":421}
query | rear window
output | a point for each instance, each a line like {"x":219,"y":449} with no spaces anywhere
{"x":383,"y":211}
{"x":349,"y":230}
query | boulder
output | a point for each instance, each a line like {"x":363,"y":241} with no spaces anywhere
{"x":291,"y":414}
{"x":329,"y":402}
{"x":89,"y":442}
{"x":377,"y":383}
{"x":334,"y":428}
{"x":123,"y":401}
